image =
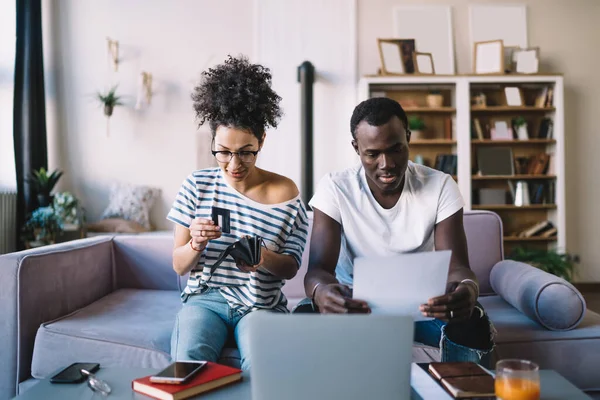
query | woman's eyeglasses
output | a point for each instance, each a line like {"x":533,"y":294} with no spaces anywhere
{"x":245,"y":156}
{"x":97,"y":385}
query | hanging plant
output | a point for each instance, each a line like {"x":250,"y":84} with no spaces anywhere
{"x":109,"y":100}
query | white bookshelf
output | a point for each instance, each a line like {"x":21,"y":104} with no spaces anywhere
{"x":458,"y":105}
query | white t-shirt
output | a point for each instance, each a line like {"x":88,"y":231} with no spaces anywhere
{"x":429,"y":196}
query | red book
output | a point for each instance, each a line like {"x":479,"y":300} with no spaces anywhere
{"x":210,"y":377}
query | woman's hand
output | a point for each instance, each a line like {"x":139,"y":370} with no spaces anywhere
{"x":202,"y":230}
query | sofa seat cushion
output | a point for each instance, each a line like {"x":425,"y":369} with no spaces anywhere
{"x":513,"y":326}
{"x":129,"y":327}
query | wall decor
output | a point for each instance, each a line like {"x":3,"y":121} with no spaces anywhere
{"x":424,"y":63}
{"x":488,"y":57}
{"x":113,"y":52}
{"x":431,"y":27}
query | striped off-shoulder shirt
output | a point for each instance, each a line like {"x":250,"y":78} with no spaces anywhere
{"x":282,"y":226}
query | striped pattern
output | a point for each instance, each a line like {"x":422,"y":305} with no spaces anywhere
{"x":282,"y":226}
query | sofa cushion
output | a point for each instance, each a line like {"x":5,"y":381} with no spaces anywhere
{"x":543,"y":297}
{"x":129,"y":327}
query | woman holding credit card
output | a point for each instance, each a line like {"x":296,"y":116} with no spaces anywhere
{"x":223,"y":215}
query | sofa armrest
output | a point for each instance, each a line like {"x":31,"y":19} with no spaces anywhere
{"x":43,"y":284}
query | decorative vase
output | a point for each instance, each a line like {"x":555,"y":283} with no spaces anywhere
{"x":417,"y":135}
{"x":522,"y":132}
{"x":434,"y":100}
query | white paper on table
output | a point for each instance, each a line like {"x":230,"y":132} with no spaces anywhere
{"x":398,"y":285}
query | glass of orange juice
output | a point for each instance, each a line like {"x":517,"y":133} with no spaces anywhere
{"x":517,"y":380}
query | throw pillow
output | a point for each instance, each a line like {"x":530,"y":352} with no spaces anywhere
{"x":131,"y":202}
{"x":545,"y":298}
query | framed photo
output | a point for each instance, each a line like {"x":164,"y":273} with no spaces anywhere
{"x":489,"y":57}
{"x":501,"y":129}
{"x":527,"y":60}
{"x":423,"y":63}
{"x":514,"y":96}
{"x":396,"y":56}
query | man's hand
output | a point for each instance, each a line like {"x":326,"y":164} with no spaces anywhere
{"x":456,"y":305}
{"x":335,"y":298}
{"x":244,"y":267}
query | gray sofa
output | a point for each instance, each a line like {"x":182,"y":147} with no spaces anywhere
{"x":113,"y":300}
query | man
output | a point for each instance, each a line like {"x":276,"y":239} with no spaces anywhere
{"x":389,"y":205}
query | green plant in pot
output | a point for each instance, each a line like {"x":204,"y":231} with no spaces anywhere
{"x":110,"y":100}
{"x":417,"y":127}
{"x":551,"y":261}
{"x":42,"y":184}
{"x":42,"y":227}
{"x":520,"y":126}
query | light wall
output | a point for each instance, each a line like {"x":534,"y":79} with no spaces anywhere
{"x":177,"y":40}
{"x":7,"y":67}
{"x":567,"y":33}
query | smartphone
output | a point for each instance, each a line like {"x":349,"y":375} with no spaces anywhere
{"x":178,"y":372}
{"x":72,"y":374}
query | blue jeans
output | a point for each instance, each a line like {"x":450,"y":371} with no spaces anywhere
{"x":203,"y":326}
{"x":471,"y":340}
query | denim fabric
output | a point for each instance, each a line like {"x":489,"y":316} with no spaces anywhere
{"x":203,"y":326}
{"x":472,"y":340}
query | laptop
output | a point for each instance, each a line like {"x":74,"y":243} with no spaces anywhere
{"x":314,"y":356}
{"x":399,"y":284}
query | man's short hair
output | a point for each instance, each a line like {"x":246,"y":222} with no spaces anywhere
{"x":377,"y":111}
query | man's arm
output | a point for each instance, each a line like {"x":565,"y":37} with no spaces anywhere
{"x":320,"y":283}
{"x":460,"y":298}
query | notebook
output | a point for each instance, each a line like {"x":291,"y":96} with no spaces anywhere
{"x":464,"y":380}
{"x":212,"y":376}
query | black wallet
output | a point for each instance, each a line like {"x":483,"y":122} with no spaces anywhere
{"x":246,"y":249}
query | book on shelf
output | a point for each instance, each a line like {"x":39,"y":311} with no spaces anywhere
{"x":536,"y":230}
{"x":211,"y":377}
{"x":446,"y":163}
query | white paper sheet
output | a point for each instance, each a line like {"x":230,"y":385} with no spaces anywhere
{"x":398,"y":285}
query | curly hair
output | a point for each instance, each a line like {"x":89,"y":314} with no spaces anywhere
{"x":237,"y":94}
{"x":377,"y":111}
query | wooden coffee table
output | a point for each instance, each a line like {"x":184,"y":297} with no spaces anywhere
{"x":554,"y":387}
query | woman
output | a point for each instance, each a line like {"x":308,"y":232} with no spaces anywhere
{"x":237,"y":100}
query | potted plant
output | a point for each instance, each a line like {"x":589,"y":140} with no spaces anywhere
{"x":417,"y":127}
{"x":42,"y":227}
{"x":109,"y":100}
{"x":434,"y":99}
{"x":43,"y":184}
{"x":520,"y":125}
{"x":551,"y":261}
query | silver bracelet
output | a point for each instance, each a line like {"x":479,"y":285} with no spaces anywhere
{"x":473,"y":283}
{"x":312,"y":295}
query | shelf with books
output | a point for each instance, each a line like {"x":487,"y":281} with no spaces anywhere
{"x":511,"y":177}
{"x":510,"y":109}
{"x":525,"y":113}
{"x":512,"y":142}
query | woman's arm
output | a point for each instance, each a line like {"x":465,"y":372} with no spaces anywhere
{"x":190,"y":243}
{"x":283,"y":266}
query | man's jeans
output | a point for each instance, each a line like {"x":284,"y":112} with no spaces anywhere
{"x":471,"y":340}
{"x":203,"y":326}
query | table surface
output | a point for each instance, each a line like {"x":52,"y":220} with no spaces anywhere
{"x":554,"y":387}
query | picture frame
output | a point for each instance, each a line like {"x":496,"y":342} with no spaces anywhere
{"x":501,"y":129}
{"x":527,"y":60}
{"x":514,"y":96}
{"x":396,"y":56}
{"x":488,"y":57}
{"x":510,"y":62}
{"x":423,"y":63}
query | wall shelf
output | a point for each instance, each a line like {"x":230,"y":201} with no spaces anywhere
{"x":489,"y":142}
{"x":509,"y":109}
{"x":423,"y":110}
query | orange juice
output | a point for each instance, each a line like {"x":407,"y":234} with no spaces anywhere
{"x":517,"y":389}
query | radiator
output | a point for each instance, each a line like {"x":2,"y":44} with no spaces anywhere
{"x":8,"y":222}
